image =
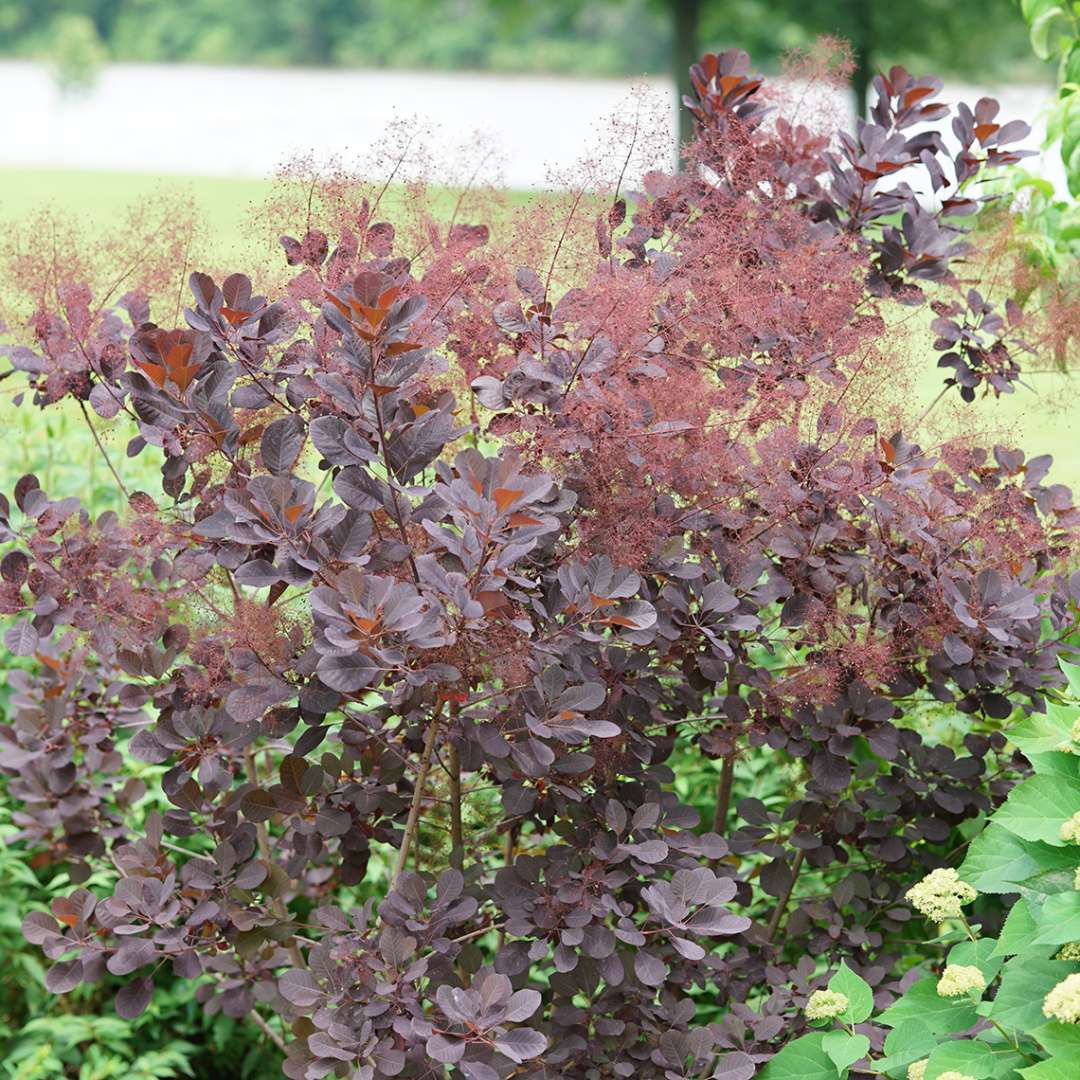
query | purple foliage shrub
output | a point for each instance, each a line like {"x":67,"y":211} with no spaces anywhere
{"x":464,"y":549}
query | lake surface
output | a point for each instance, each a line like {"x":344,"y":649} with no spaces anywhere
{"x":525,"y":132}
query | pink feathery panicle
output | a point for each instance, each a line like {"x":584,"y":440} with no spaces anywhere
{"x":72,"y":300}
{"x":811,"y":97}
{"x":1045,"y":303}
{"x":472,"y":514}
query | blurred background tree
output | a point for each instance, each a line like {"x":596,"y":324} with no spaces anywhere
{"x":967,"y":38}
{"x":77,"y":52}
{"x":974,"y":39}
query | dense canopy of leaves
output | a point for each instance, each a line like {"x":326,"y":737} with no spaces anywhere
{"x":448,"y":538}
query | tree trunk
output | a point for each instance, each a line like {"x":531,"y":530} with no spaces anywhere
{"x":863,"y":41}
{"x":686,"y":16}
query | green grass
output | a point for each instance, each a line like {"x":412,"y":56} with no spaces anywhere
{"x":99,"y":197}
{"x":56,"y":445}
{"x":1040,"y":417}
{"x":224,"y":206}
{"x":1045,"y":420}
{"x":60,"y":450}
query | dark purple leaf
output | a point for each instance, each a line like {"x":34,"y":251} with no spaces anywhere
{"x":521,"y":1044}
{"x":132,"y":999}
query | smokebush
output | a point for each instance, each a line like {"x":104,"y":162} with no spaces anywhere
{"x":470,"y":540}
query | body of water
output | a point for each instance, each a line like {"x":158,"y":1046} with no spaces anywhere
{"x":218,"y":121}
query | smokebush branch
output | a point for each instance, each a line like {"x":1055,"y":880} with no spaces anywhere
{"x":262,"y":838}
{"x":267,"y":1030}
{"x":413,"y":822}
{"x":782,"y":903}
{"x":674,"y":477}
{"x":457,"y":836}
{"x":103,"y":451}
{"x":723,"y":794}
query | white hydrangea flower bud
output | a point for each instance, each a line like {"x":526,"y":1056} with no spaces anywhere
{"x":825,"y":1004}
{"x":1070,"y":830}
{"x":958,"y":979}
{"x":1063,"y":1002}
{"x":941,"y":894}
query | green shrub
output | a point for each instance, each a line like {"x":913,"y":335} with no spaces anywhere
{"x":987,"y":1007}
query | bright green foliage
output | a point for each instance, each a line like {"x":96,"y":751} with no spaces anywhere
{"x":1036,"y":809}
{"x":1031,"y":985}
{"x":77,"y":52}
{"x":803,"y":1059}
{"x":102,"y":1047}
{"x":1050,"y":225}
{"x":998,"y":857}
{"x":630,"y":36}
{"x":1054,"y":28}
{"x":844,"y":1048}
{"x":859,"y":995}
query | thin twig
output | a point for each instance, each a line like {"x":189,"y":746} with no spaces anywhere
{"x":1013,"y":1042}
{"x":509,"y":843}
{"x":782,"y":903}
{"x":479,"y":932}
{"x":723,"y":794}
{"x":929,"y":409}
{"x":457,"y":833}
{"x":262,"y":838}
{"x":268,"y":1031}
{"x":391,"y":479}
{"x":104,"y":452}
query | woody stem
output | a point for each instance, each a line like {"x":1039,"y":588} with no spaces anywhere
{"x":413,"y":822}
{"x":723,"y":794}
{"x":262,"y":838}
{"x":782,"y":903}
{"x":457,"y":833}
{"x":268,"y":1031}
{"x":104,"y":452}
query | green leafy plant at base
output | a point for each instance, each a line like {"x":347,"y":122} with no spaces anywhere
{"x":1048,"y":225}
{"x":1001,"y":1007}
{"x":1054,"y":28}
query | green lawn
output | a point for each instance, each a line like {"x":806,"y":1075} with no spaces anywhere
{"x":56,"y":445}
{"x":1042,"y":420}
{"x":1045,"y":420}
{"x":98,"y":197}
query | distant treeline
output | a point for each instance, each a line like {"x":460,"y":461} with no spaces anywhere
{"x":599,"y":37}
